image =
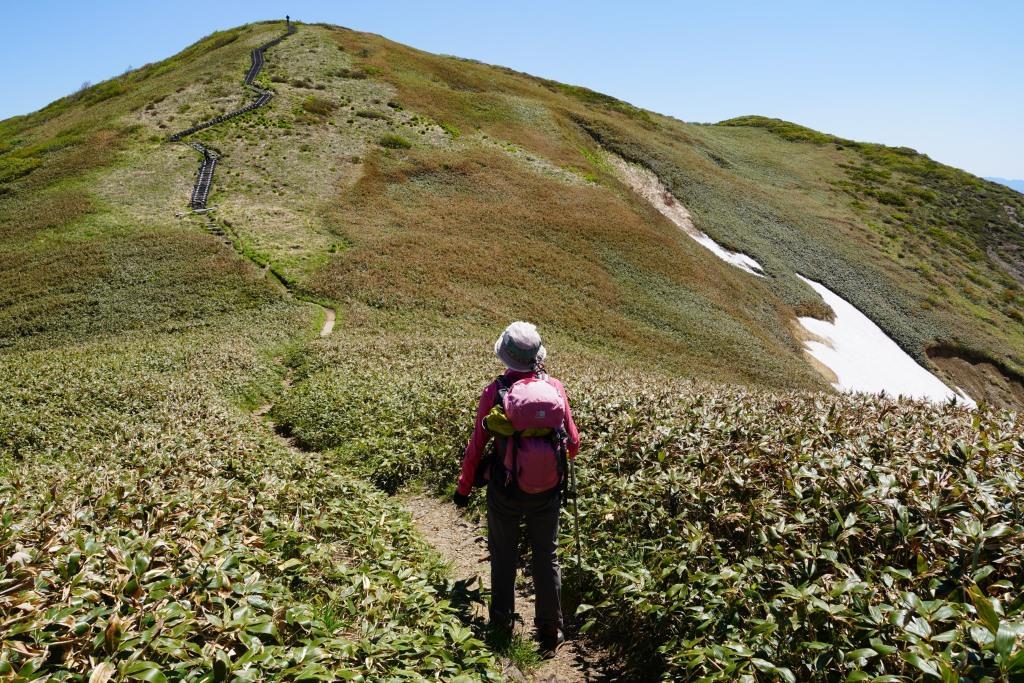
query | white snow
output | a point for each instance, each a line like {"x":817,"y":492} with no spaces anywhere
{"x":647,"y":185}
{"x":866,"y":359}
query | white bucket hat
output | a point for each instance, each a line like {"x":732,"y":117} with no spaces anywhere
{"x":519,"y":347}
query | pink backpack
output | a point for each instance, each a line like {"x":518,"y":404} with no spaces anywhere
{"x":533,"y":456}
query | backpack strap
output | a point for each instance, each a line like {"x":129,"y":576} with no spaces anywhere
{"x":563,"y":459}
{"x":504,"y":384}
{"x":494,"y":459}
{"x":517,"y":441}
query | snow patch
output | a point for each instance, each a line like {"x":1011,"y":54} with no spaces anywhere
{"x":866,"y":359}
{"x":646,"y":184}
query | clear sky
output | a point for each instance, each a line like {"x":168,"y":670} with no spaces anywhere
{"x":946,"y":78}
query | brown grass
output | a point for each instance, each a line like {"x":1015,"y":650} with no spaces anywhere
{"x":475,"y":236}
{"x":503,"y":103}
{"x":27,"y":213}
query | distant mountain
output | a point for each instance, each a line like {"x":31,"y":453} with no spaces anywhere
{"x":1015,"y":184}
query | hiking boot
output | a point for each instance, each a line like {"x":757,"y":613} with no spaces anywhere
{"x":550,"y":642}
{"x":500,"y":629}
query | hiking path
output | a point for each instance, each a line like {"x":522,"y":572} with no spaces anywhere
{"x":462,"y":542}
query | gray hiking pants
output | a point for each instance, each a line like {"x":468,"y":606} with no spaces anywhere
{"x":504,"y":513}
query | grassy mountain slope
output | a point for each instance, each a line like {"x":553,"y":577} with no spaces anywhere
{"x":432,"y":199}
{"x":931,"y":253}
{"x":502,"y":206}
{"x":150,"y":528}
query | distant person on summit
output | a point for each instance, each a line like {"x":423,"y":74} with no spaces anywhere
{"x":525,"y":471}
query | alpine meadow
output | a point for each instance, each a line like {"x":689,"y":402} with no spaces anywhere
{"x":236,"y":359}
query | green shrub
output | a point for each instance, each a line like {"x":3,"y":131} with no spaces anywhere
{"x":786,"y":130}
{"x":392,"y":141}
{"x":14,"y":168}
{"x":154,"y":531}
{"x":350,"y":73}
{"x":732,"y":533}
{"x":318,"y":105}
{"x":888,"y":197}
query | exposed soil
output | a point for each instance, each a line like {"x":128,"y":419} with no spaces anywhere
{"x":983,"y":379}
{"x":463,"y":543}
{"x":328,"y":327}
{"x":803,"y":335}
{"x":647,"y":185}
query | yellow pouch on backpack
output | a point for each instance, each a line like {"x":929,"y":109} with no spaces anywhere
{"x":497,"y":424}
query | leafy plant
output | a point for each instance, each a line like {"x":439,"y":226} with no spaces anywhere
{"x":730,"y":532}
{"x":150,"y":532}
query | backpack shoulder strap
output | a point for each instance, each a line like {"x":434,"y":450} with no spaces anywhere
{"x":504,"y":384}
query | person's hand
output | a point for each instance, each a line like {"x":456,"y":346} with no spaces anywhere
{"x":460,"y":500}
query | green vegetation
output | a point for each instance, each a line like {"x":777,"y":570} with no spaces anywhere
{"x":152,"y":528}
{"x":636,"y":293}
{"x":371,"y":114}
{"x":730,"y":532}
{"x":928,"y":230}
{"x":318,"y":105}
{"x":945,"y":224}
{"x":450,"y":129}
{"x":901,"y":237}
{"x":591,"y":97}
{"x":784,"y":129}
{"x":737,"y":525}
{"x":349,"y":73}
{"x":392,"y":141}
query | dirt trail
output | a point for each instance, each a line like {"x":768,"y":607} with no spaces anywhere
{"x":328,"y":327}
{"x":463,"y":543}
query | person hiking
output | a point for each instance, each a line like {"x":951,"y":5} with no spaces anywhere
{"x":527,"y":414}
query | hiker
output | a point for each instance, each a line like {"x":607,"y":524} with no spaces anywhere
{"x":287,"y":20}
{"x":525,"y":474}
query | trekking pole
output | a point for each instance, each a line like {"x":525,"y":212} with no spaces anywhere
{"x":575,"y":510}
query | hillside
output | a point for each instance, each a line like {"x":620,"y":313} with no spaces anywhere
{"x":931,"y":254}
{"x":156,"y":521}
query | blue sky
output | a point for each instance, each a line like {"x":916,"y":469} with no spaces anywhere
{"x":942,"y":77}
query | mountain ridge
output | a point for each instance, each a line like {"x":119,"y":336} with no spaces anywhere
{"x":1014,"y":184}
{"x":202,"y":479}
{"x":913,"y":230}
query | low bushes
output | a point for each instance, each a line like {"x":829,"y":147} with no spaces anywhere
{"x":318,"y":105}
{"x":150,"y":532}
{"x":392,"y":141}
{"x":733,"y":533}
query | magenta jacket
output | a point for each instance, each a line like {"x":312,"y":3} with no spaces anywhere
{"x":475,"y":447}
